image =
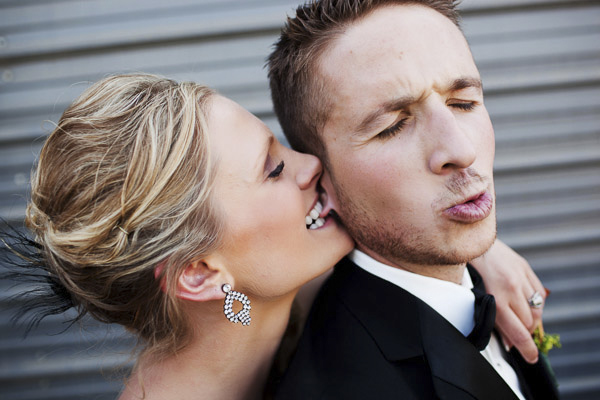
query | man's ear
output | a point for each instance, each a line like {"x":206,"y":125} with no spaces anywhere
{"x":201,"y":281}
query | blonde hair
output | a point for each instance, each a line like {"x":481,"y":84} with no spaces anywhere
{"x":123,"y":184}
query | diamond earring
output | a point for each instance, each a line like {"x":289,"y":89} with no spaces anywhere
{"x":243,"y":315}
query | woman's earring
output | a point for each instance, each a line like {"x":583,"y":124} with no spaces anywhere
{"x":243,"y":315}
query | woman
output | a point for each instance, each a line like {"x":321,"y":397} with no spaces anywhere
{"x":171,"y":210}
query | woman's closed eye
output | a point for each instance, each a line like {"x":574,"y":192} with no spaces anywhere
{"x":277,"y":171}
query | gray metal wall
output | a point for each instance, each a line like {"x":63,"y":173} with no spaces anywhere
{"x":540,"y":61}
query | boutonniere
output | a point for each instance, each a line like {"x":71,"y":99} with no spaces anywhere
{"x":545,"y":341}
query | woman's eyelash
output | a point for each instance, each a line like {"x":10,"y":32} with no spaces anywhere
{"x":392,"y":130}
{"x":277,"y":171}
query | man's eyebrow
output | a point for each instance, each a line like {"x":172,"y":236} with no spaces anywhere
{"x":464,"y":83}
{"x":403,"y":102}
{"x":389,"y":106}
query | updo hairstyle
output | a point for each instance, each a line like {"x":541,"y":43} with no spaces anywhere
{"x":122,"y":185}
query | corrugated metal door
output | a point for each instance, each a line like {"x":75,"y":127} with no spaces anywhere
{"x":540,"y":62}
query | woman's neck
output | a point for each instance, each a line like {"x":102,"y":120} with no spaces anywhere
{"x":225,"y":360}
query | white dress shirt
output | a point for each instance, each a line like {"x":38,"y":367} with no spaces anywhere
{"x":456,"y":303}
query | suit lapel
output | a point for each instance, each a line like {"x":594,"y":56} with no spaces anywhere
{"x":456,"y":364}
{"x":403,"y":327}
{"x":386,"y":311}
{"x":537,"y":380}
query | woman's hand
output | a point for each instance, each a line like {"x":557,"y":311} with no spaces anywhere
{"x":511,"y":280}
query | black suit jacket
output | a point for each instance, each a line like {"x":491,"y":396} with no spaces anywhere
{"x":366,"y":338}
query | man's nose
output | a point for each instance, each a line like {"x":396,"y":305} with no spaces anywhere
{"x":452,"y":146}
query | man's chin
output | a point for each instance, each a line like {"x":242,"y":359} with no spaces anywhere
{"x":467,"y":251}
{"x":464,"y":245}
{"x":453,"y":253}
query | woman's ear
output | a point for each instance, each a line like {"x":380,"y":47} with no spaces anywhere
{"x":200,"y":281}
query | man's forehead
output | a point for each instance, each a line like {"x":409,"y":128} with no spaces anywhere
{"x":390,"y":21}
{"x":383,"y":58}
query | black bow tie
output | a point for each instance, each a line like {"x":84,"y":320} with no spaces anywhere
{"x":485,"y":312}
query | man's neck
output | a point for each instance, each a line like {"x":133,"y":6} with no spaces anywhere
{"x":450,"y":273}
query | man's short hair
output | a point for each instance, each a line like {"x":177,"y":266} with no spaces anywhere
{"x":299,"y":96}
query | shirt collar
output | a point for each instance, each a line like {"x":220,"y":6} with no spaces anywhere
{"x":456,"y":303}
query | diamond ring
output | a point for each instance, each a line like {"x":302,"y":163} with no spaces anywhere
{"x":536,"y":300}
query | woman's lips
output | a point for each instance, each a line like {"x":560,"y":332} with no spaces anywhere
{"x":473,"y":209}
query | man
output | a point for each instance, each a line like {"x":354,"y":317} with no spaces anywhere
{"x":387,"y":94}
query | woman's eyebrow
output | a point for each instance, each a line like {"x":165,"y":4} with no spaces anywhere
{"x":260,"y":163}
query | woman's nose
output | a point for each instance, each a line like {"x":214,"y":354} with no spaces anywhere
{"x":309,"y":170}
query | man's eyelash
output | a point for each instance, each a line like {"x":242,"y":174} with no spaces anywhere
{"x":397,"y":127}
{"x":392,"y":130}
{"x":277,"y":171}
{"x":464,"y":106}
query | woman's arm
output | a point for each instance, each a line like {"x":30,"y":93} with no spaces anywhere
{"x":511,"y":280}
